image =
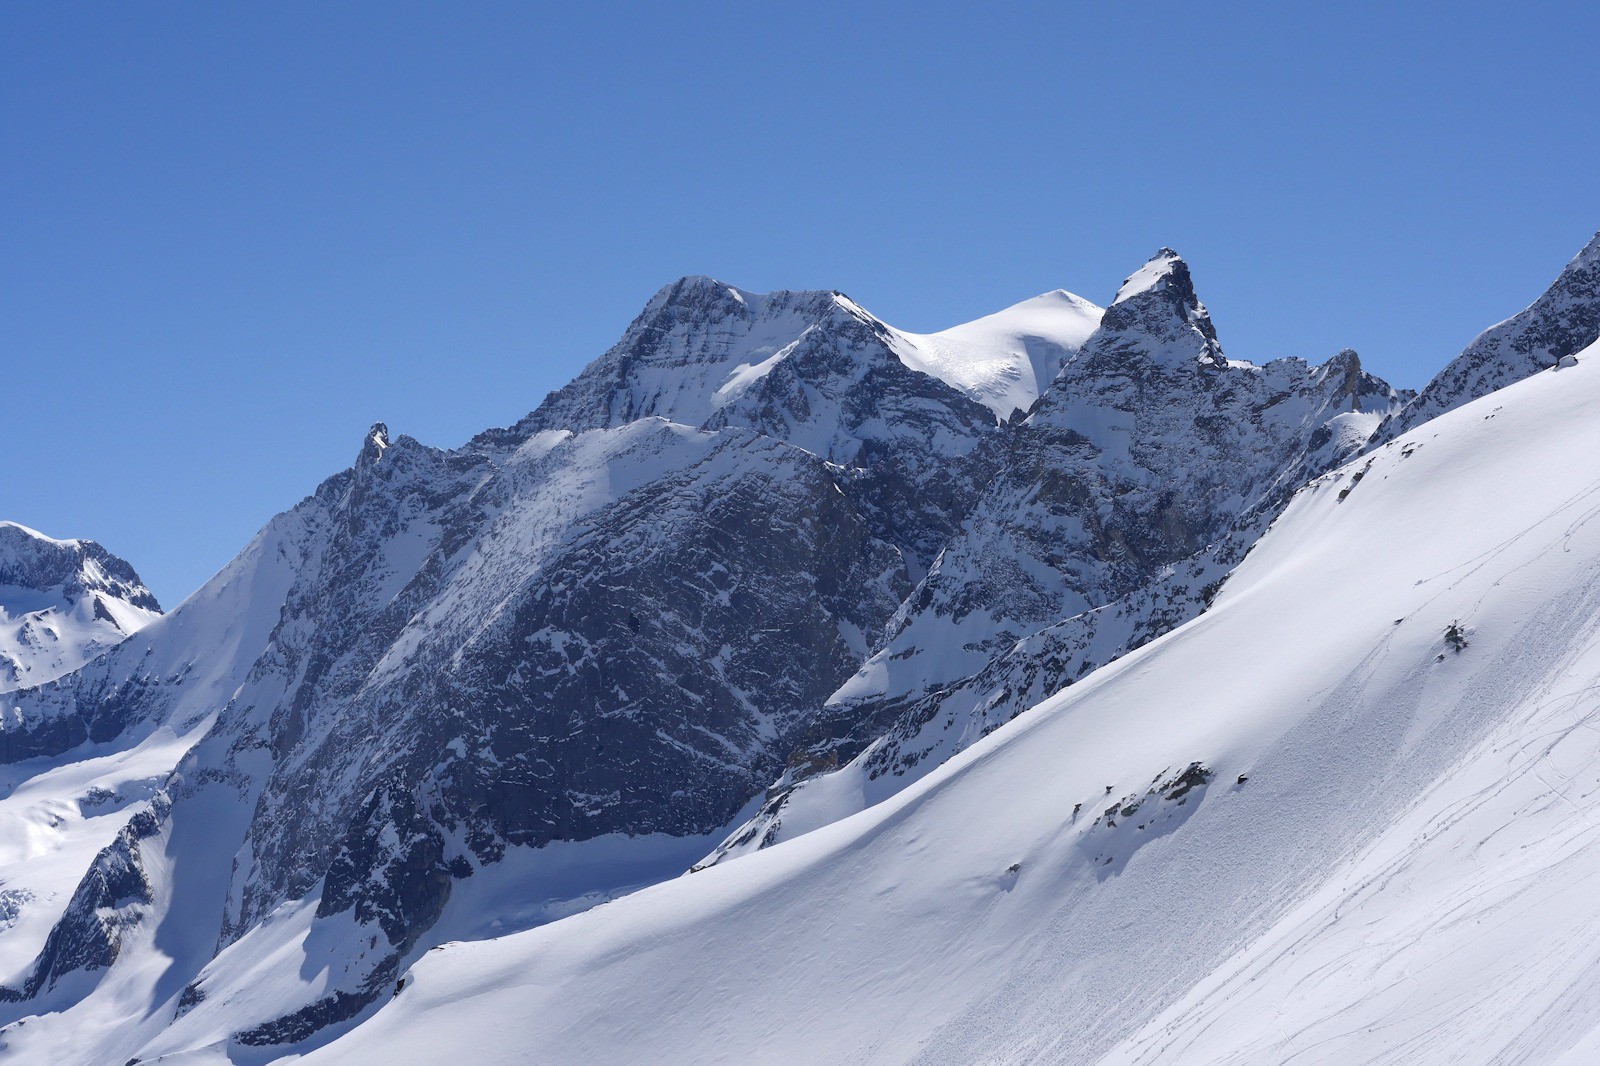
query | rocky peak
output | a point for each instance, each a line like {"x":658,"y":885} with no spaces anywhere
{"x":698,"y":298}
{"x":1159,"y":299}
{"x":374,"y":445}
{"x":1350,"y":385}
{"x":72,"y":568}
{"x":62,"y":602}
{"x":697,"y":346}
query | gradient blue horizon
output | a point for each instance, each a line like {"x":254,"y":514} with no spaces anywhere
{"x":235,"y":237}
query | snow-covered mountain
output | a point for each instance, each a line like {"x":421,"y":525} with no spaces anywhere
{"x":766,"y":562}
{"x":1140,"y":477}
{"x":62,"y":602}
{"x":1347,"y":815}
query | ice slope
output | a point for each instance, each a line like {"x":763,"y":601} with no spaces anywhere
{"x":62,"y":602}
{"x":1406,"y":673}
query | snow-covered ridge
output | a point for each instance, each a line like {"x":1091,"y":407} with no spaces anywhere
{"x":1564,"y":320}
{"x":62,"y":602}
{"x":701,"y":344}
{"x":1005,"y":360}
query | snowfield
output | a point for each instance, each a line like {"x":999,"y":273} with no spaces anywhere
{"x":1341,"y":817}
{"x":1005,"y":360}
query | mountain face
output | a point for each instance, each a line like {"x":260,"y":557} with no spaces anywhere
{"x":62,"y":602}
{"x":765,"y":562}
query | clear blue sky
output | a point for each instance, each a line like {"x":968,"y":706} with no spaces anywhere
{"x":236,"y":235}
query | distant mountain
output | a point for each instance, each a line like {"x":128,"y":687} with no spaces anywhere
{"x":62,"y":602}
{"x":765,"y":563}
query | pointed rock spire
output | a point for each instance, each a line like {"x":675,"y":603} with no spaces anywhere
{"x":375,"y":444}
{"x":1164,"y":270}
{"x":1159,"y":300}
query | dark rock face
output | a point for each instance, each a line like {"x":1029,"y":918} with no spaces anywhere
{"x":611,"y":690}
{"x":1146,"y":449}
{"x":100,"y":706}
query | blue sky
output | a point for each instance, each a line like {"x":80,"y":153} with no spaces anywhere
{"x":237,"y":235}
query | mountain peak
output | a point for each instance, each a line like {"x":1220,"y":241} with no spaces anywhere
{"x":699,"y":297}
{"x":1163,"y":271}
{"x":375,"y":443}
{"x":1007,"y":359}
{"x":695,"y":290}
{"x":1159,"y":299}
{"x":29,"y":559}
{"x":62,"y":602}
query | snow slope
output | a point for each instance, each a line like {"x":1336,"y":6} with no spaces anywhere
{"x":1408,"y":676}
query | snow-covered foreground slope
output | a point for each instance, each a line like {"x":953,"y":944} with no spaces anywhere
{"x":62,"y":602}
{"x":1406,"y":669}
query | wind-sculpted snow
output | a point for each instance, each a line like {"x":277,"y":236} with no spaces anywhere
{"x":62,"y":602}
{"x":1342,"y":816}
